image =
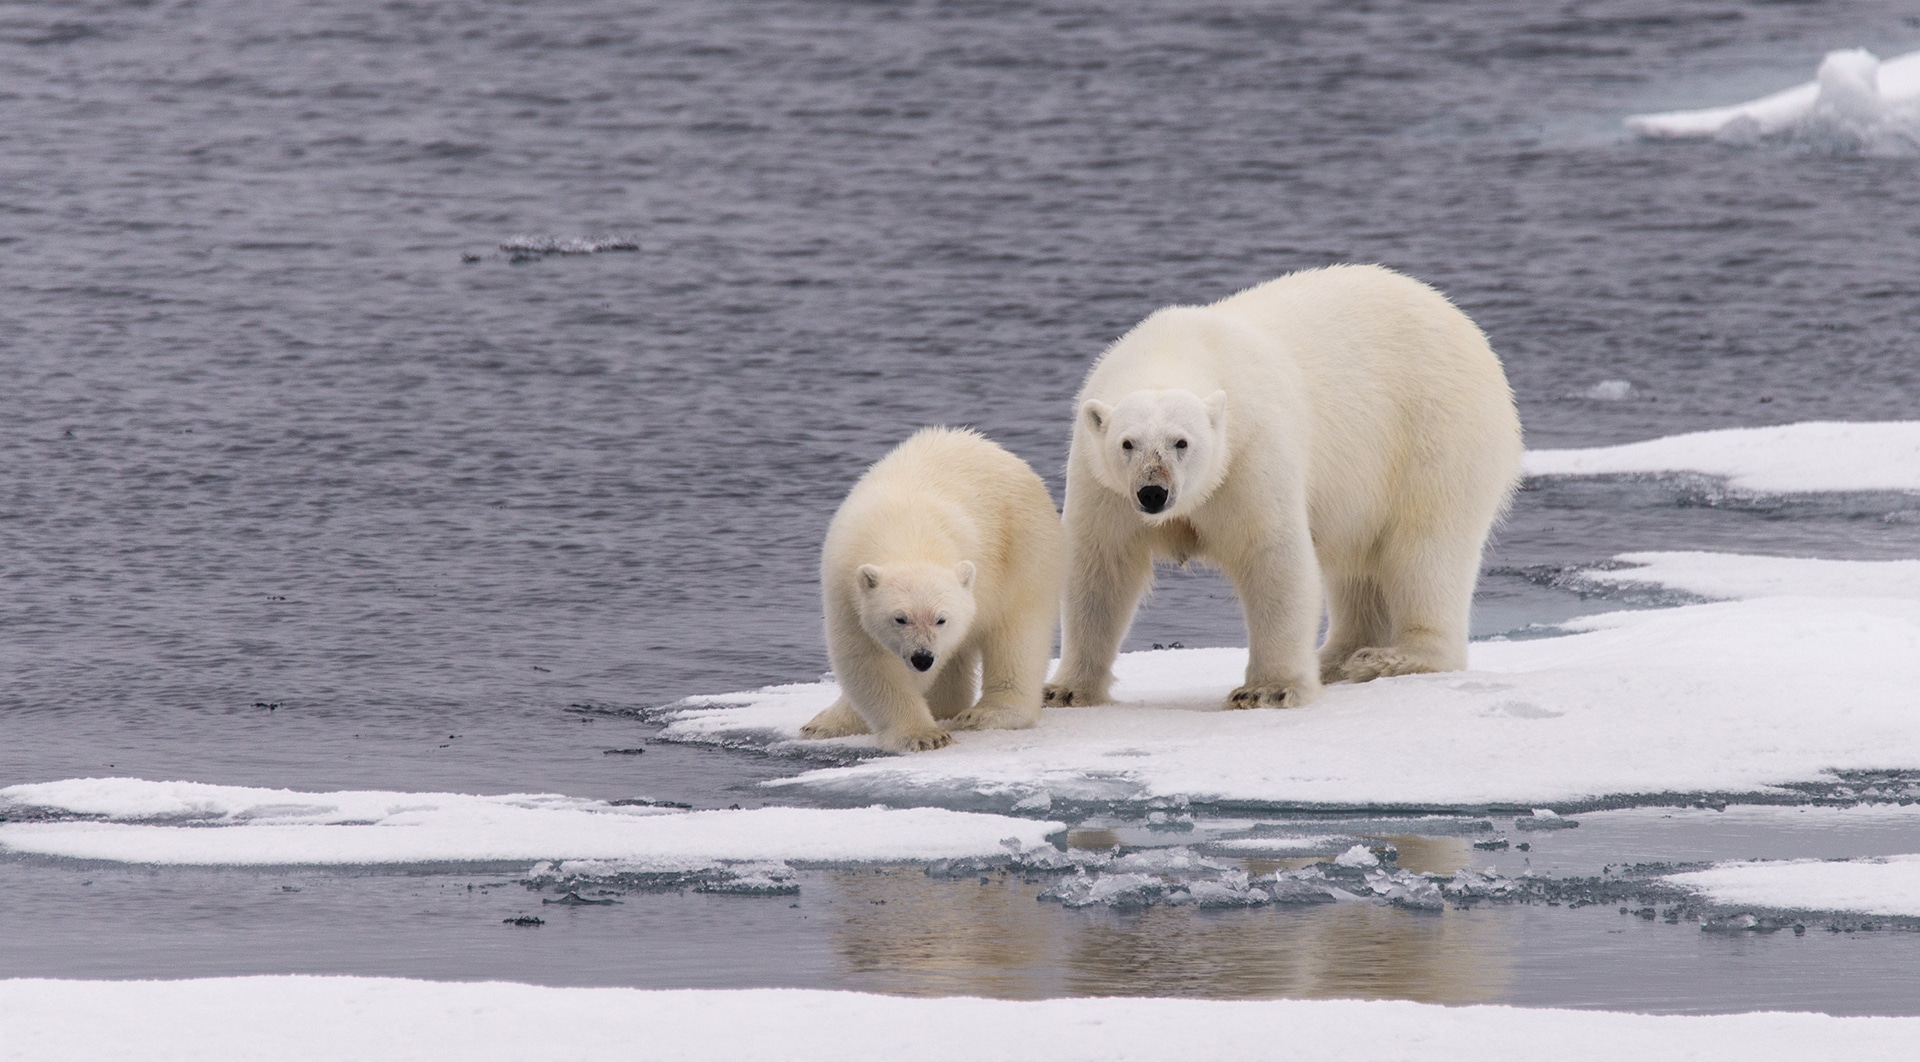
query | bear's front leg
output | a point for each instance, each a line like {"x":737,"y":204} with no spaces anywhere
{"x":881,"y":690}
{"x":1013,"y":670}
{"x":1279,"y":587}
{"x":1109,"y":566}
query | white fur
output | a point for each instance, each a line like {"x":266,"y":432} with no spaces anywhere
{"x":1344,"y":428}
{"x":948,"y":547}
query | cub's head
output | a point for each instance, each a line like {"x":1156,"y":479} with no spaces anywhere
{"x":1165,"y":451}
{"x":920,"y":612}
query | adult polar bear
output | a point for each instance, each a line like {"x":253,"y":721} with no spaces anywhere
{"x":944,"y":562}
{"x":1345,"y":427}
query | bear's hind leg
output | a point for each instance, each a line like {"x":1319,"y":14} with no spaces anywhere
{"x":1356,"y":619}
{"x":838,"y":720}
{"x":1427,"y":587}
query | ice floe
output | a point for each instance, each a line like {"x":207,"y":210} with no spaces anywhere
{"x":1731,"y":575}
{"x":292,"y":1019}
{"x":1791,"y":458}
{"x":1885,"y":886}
{"x":1731,"y":697}
{"x":1856,"y":102}
{"x":139,"y":821}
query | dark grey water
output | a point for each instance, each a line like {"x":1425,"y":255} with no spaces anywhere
{"x":270,"y":439}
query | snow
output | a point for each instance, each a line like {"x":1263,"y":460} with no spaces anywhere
{"x":293,"y":1019}
{"x":1887,"y":886}
{"x":1730,"y":697}
{"x":198,"y":824}
{"x":1855,"y":102}
{"x":1809,"y":456}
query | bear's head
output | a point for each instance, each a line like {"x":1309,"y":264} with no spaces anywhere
{"x":1165,"y":450}
{"x":919,"y":612}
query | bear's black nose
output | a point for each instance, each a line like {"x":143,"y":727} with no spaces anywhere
{"x":1152,"y":499}
{"x":921,"y":660}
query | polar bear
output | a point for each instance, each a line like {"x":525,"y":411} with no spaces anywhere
{"x":945,"y":560}
{"x":1344,"y":428}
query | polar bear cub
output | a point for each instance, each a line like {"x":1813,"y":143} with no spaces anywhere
{"x":1343,"y":430}
{"x":943,"y":564}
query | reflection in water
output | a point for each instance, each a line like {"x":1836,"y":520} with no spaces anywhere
{"x":903,"y":932}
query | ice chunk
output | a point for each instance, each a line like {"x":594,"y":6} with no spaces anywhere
{"x":1610,"y":390}
{"x":1856,"y":103}
{"x":1358,"y":856}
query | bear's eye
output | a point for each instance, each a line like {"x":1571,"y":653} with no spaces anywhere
{"x":1180,"y":444}
{"x":900,"y":619}
{"x":1126,"y":444}
{"x":940,"y":621}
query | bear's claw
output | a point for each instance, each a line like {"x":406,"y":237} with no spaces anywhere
{"x":919,"y":741}
{"x":1265,"y":697}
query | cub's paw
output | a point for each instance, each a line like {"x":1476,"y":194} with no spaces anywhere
{"x":917,"y":740}
{"x":837,"y":721}
{"x":1367,"y":664}
{"x":984,"y":716}
{"x":1068,"y":695}
{"x":1268,"y":697}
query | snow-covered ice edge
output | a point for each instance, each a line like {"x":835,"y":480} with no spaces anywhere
{"x":292,"y":1019}
{"x":1888,"y":886}
{"x":188,"y":823}
{"x":1811,"y":456}
{"x":1817,"y":672}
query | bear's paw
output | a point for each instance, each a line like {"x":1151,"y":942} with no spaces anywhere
{"x":1366,"y":665}
{"x":917,"y":740}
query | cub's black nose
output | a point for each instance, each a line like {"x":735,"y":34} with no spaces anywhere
{"x":921,"y":660}
{"x":1152,"y":499}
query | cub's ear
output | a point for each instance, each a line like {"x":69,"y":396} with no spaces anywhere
{"x":964,"y":570}
{"x":1216,"y":408}
{"x":1097,"y":415}
{"x":868,"y":577}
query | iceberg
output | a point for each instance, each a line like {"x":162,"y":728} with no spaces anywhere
{"x":1856,"y":102}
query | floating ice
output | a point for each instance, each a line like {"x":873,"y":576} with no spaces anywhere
{"x":1887,"y":886}
{"x":308,"y":1019}
{"x":1732,"y":575}
{"x":1729,"y":697}
{"x":193,"y":823}
{"x":529,"y":248}
{"x":1856,"y":103}
{"x":1810,"y":456}
{"x":1610,"y":390}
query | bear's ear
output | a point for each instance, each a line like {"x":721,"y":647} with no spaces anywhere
{"x":1098,"y":415}
{"x":964,"y":570}
{"x":1216,"y":409}
{"x":868,"y":577}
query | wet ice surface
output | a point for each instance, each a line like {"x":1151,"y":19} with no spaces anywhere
{"x":297,"y":498}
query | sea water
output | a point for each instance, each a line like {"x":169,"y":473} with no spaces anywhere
{"x":402,"y":395}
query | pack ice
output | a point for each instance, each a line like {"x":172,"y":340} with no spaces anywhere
{"x":1856,"y":102}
